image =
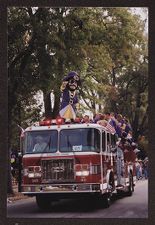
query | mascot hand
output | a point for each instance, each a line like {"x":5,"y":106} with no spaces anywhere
{"x":77,"y":106}
{"x":63,"y":86}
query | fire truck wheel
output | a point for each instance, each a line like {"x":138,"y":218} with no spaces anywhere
{"x":131,"y":186}
{"x":43,"y":202}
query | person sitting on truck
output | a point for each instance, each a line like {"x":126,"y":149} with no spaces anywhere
{"x":97,"y":117}
{"x":40,"y":146}
{"x":86,"y":119}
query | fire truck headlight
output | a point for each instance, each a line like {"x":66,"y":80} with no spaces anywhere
{"x":82,"y":173}
{"x":32,"y":171}
{"x":25,"y":172}
{"x":34,"y":175}
{"x":78,"y":173}
{"x":37,"y":175}
{"x":85,"y":173}
{"x":31,"y":175}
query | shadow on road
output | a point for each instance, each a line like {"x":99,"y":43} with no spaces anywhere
{"x":79,"y":205}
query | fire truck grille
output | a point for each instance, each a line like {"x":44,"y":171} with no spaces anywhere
{"x":57,"y":170}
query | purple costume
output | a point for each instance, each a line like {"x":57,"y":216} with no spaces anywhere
{"x":69,"y":96}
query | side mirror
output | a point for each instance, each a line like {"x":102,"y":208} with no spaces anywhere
{"x":20,"y":154}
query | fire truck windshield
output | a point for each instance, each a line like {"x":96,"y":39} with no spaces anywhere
{"x":41,"y":141}
{"x":80,"y":140}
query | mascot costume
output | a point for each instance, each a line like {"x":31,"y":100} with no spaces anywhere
{"x":69,"y":98}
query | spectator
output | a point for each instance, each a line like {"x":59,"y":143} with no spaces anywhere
{"x":137,"y":164}
{"x":14,"y":161}
{"x":139,"y":169}
{"x":145,"y":167}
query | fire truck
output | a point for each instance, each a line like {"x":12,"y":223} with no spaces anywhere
{"x":74,"y":160}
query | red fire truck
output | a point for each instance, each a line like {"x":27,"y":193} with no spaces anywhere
{"x":74,"y":160}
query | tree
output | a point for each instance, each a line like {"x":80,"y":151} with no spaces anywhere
{"x":105,"y":45}
{"x":113,"y":63}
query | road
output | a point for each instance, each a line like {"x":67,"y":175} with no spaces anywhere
{"x":135,"y":206}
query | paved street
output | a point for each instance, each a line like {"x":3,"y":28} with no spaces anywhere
{"x":126,"y":207}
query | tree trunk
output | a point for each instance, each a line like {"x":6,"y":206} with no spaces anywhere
{"x":57,"y":92}
{"x":9,"y":180}
{"x":135,"y":124}
{"x":113,"y":106}
{"x":143,"y":128}
{"x":113,"y":102}
{"x":47,"y":104}
{"x":56,"y":107}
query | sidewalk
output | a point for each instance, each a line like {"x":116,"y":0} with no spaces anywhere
{"x":16,"y":195}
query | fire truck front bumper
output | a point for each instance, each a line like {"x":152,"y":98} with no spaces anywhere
{"x":61,"y":188}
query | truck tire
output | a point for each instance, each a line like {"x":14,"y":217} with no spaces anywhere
{"x":43,"y":202}
{"x":130,"y":187}
{"x":105,"y":199}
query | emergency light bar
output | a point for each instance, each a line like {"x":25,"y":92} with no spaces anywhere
{"x":48,"y":122}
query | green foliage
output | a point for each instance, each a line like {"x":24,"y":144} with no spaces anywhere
{"x":106,"y":46}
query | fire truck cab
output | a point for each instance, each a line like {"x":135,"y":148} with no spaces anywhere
{"x":74,"y":160}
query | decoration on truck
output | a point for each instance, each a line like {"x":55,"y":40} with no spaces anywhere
{"x":69,"y":99}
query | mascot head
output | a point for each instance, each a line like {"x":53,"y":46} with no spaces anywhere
{"x":73,"y":80}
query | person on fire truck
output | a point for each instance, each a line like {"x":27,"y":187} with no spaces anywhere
{"x":41,"y":145}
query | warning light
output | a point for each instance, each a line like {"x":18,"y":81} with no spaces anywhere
{"x":77,"y":120}
{"x":59,"y":121}
{"x":45,"y":123}
{"x":49,"y":122}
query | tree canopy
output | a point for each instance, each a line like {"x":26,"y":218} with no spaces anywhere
{"x":106,"y":46}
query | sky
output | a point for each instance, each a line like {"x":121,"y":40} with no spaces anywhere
{"x":144,"y":14}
